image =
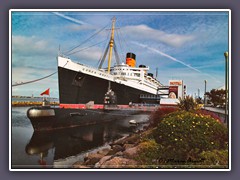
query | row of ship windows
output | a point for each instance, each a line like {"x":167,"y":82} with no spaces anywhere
{"x":128,"y":74}
{"x":91,"y":71}
{"x":122,"y":70}
{"x":135,"y":70}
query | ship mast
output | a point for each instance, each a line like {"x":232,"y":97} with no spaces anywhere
{"x":111,"y":43}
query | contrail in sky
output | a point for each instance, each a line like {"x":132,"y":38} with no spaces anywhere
{"x":172,"y":58}
{"x":166,"y":55}
{"x":70,"y":19}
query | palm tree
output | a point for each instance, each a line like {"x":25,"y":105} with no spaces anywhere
{"x":187,"y":103}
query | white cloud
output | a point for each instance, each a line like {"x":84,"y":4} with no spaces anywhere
{"x":143,"y":32}
{"x":24,"y":74}
{"x":31,"y":46}
{"x":92,"y":54}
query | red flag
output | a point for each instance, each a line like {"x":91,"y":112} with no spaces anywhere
{"x":46,"y":92}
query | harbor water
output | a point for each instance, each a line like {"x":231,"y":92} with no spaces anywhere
{"x":62,"y":148}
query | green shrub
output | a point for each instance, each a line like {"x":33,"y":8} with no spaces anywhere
{"x":215,"y":158}
{"x":183,"y":136}
{"x":148,"y":153}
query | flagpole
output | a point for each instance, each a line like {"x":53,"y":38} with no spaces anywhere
{"x":45,"y":101}
{"x":49,"y":98}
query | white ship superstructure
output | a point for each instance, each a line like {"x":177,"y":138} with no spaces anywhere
{"x":134,"y":77}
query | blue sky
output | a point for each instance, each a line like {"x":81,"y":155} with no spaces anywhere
{"x":182,"y":45}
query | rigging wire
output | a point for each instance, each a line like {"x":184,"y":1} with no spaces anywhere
{"x":116,"y":54}
{"x":120,"y":44}
{"x":28,"y":82}
{"x":121,"y":34}
{"x":103,"y":51}
{"x":103,"y":58}
{"x":32,"y":81}
{"x":120,"y":41}
{"x":87,"y":47}
{"x":67,"y":52}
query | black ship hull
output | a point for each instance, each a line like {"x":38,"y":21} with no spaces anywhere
{"x":79,"y":88}
{"x":48,"y":118}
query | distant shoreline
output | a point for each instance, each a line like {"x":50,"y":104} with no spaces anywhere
{"x":32,"y":97}
{"x":28,"y":103}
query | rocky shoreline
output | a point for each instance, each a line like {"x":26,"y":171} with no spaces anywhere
{"x":120,"y":154}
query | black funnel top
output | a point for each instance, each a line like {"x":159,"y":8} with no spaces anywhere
{"x":131,"y":55}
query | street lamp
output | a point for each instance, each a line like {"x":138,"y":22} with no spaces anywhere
{"x":226,"y":86}
{"x":205,"y":89}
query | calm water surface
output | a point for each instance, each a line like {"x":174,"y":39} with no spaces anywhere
{"x":61,"y":148}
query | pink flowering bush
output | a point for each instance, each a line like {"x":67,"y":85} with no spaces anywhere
{"x":208,"y":113}
{"x":158,"y":115}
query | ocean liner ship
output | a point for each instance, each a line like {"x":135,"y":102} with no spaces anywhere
{"x":96,"y":95}
{"x":80,"y":84}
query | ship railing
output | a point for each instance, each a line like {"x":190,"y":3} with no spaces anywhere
{"x":77,"y":62}
{"x":163,"y":88}
{"x":126,"y":77}
{"x":151,"y":85}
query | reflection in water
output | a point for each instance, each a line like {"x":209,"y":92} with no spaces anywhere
{"x":73,"y":141}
